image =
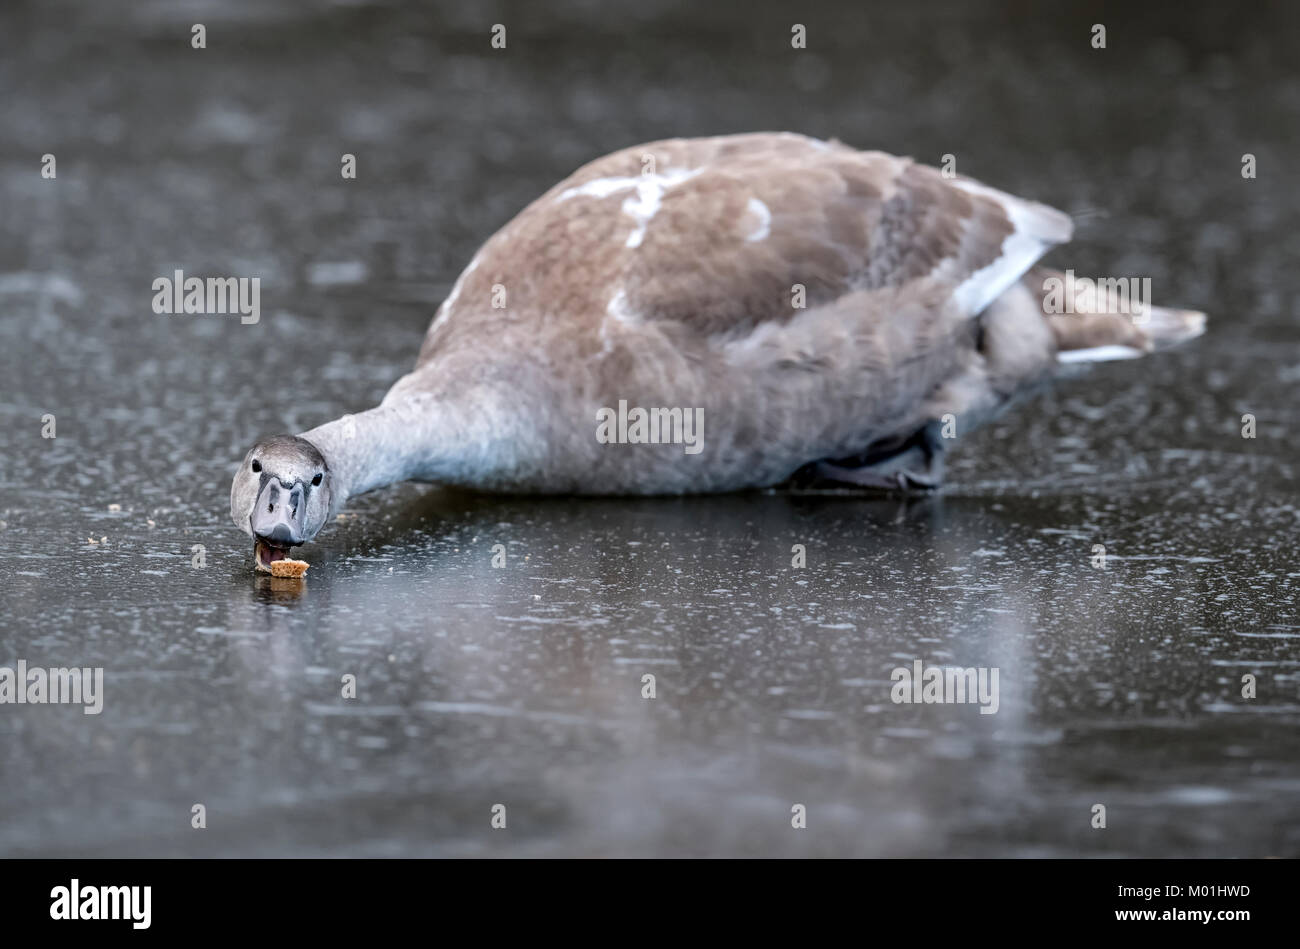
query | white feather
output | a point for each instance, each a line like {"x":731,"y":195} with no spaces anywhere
{"x":1099,"y":354}
{"x":641,"y":207}
{"x":1036,"y":228}
{"x":760,"y":211}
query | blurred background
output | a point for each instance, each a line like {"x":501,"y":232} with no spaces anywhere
{"x":523,"y":686}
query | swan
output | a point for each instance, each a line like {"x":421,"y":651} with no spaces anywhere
{"x":806,"y":309}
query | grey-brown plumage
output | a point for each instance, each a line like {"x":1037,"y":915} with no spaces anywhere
{"x":821,"y":305}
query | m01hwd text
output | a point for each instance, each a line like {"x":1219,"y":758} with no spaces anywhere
{"x":1190,"y":889}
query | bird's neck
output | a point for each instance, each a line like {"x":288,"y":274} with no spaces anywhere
{"x":416,"y":438}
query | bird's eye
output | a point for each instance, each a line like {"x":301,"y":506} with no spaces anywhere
{"x":316,"y":480}
{"x":257,"y":465}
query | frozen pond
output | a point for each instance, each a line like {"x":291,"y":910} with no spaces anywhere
{"x":522,"y":685}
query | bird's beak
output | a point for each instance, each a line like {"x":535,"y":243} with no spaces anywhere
{"x":280,"y":515}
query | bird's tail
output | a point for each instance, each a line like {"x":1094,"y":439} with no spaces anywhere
{"x":1096,"y":321}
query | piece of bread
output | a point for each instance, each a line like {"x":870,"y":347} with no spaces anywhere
{"x":289,"y":568}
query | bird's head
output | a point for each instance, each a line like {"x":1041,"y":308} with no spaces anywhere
{"x":281,"y":496}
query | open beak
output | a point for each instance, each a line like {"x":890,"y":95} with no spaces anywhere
{"x":278,"y":521}
{"x":267,"y":552}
